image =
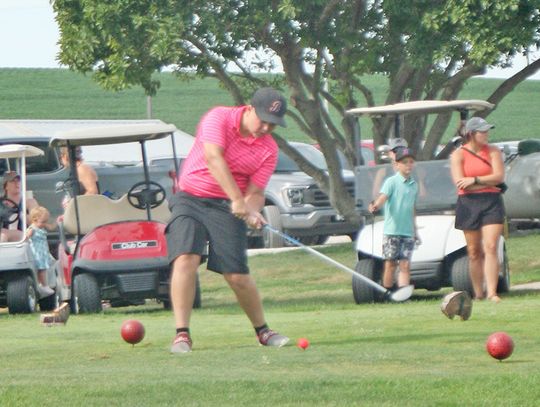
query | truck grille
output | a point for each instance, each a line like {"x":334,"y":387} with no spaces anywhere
{"x":316,"y":197}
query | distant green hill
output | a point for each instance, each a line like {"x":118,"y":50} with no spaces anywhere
{"x":63,"y":94}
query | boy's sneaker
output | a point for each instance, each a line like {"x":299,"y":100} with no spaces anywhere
{"x":267,"y":337}
{"x":181,"y":343}
{"x":45,"y":290}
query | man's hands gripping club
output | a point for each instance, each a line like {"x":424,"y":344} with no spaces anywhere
{"x":241,"y":210}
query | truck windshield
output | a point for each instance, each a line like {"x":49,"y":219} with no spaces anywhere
{"x":310,"y":153}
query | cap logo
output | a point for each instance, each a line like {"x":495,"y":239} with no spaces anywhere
{"x":275,"y":106}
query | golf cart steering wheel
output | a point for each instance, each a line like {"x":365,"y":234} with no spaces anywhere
{"x":143,"y":193}
{"x":7,"y":211}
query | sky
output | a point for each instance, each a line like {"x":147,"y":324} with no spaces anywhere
{"x":29,"y":37}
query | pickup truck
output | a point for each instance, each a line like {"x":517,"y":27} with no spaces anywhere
{"x":294,"y":202}
{"x":115,"y":177}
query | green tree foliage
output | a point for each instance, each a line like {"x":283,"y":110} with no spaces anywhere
{"x":326,"y":48}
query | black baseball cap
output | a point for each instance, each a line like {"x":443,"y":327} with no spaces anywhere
{"x":404,"y":152}
{"x":270,"y":106}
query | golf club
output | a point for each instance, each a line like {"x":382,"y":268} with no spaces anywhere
{"x":401,"y":294}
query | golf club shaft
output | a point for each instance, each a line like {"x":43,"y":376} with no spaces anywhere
{"x":326,"y":258}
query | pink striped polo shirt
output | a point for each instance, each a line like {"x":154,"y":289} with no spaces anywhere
{"x":250,"y":159}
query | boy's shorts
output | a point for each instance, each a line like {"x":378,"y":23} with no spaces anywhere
{"x":476,"y":210}
{"x":398,"y":247}
{"x":207,"y":226}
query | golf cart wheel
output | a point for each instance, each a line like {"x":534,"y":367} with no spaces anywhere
{"x":196,"y":301}
{"x":503,"y":286}
{"x":21,"y":296}
{"x":273,"y":217}
{"x":461,"y":280}
{"x":86,"y":294}
{"x":362,"y":292}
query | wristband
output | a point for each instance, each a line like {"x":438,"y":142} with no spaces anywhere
{"x":476,"y":181}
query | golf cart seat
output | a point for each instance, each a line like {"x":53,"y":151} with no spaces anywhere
{"x":97,"y":210}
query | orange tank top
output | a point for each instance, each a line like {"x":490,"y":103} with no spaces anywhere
{"x":475,"y":167}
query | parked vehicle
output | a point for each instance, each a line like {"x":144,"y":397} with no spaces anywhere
{"x":441,"y":260}
{"x":114,"y":250}
{"x":522,"y":198}
{"x":117,"y":167}
{"x":18,"y":272}
{"x":297,"y":206}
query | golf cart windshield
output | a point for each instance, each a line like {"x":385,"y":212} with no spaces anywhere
{"x":436,"y":191}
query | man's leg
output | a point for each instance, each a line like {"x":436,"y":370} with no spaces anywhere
{"x":248,"y":297}
{"x":182,"y":289}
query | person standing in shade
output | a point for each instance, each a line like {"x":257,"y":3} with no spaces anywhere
{"x":477,"y":168}
{"x":221,"y":192}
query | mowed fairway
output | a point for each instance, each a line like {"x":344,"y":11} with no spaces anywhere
{"x":370,"y":355}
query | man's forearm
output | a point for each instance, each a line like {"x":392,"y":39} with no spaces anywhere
{"x":222,"y":174}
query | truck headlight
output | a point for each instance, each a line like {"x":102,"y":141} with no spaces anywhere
{"x":295,"y":196}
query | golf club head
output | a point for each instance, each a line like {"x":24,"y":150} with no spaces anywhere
{"x":402,"y":293}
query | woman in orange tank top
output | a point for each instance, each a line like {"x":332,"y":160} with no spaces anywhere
{"x":476,"y":169}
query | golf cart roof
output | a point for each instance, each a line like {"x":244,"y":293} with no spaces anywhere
{"x":19,"y":151}
{"x":421,"y":106}
{"x":112,"y":134}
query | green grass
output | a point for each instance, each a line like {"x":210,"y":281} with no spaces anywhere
{"x":62,"y":94}
{"x":371,"y":355}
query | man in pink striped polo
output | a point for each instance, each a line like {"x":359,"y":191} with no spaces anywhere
{"x":221,"y":192}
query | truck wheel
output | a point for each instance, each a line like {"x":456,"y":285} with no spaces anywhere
{"x":461,"y":280}
{"x":308,"y":240}
{"x":362,"y":292}
{"x":273,"y":217}
{"x":503,"y":286}
{"x":322,"y":239}
{"x":255,"y":242}
{"x":86,"y":293}
{"x":21,"y":296}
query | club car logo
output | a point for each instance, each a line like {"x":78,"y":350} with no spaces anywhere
{"x":141,"y":244}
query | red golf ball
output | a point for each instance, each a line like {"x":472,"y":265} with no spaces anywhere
{"x":302,"y":343}
{"x":500,"y":345}
{"x":132,"y":331}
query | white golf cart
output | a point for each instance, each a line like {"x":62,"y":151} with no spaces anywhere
{"x":18,"y":272}
{"x":441,"y":260}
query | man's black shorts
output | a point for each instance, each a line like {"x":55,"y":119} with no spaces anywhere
{"x":476,"y":210}
{"x":196,"y":222}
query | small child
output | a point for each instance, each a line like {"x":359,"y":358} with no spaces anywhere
{"x":398,"y":194}
{"x":37,"y":235}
